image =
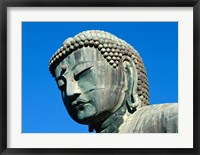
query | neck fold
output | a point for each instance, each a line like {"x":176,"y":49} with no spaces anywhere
{"x":112,"y":123}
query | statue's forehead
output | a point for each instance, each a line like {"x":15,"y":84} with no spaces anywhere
{"x":80,"y":56}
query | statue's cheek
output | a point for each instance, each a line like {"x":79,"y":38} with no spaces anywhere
{"x":86,"y":83}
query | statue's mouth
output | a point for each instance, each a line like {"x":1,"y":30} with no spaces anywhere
{"x":79,"y":105}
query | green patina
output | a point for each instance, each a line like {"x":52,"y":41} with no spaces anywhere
{"x":102,"y":80}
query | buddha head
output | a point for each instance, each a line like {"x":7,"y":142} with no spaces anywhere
{"x":97,"y":73}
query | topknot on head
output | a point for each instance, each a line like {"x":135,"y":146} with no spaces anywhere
{"x":111,"y":47}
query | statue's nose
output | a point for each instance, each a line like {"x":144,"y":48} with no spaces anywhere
{"x":72,"y":87}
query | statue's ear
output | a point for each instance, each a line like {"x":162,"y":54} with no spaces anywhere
{"x":130,"y":84}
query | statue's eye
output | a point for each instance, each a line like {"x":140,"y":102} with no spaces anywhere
{"x":82,"y":73}
{"x":61,"y":84}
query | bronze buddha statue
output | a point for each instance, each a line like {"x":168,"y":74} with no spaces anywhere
{"x":104,"y":84}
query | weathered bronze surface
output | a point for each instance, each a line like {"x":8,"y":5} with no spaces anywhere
{"x":104,"y":84}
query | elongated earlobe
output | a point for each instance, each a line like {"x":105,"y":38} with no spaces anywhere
{"x":132,"y":98}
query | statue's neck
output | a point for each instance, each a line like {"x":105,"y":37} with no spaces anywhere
{"x":112,"y":123}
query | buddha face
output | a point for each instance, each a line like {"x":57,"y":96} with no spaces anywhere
{"x":91,"y":89}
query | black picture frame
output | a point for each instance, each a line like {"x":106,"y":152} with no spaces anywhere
{"x":97,"y":3}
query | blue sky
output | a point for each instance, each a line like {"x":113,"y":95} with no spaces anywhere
{"x":42,"y":108}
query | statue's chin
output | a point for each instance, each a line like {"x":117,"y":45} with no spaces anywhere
{"x":85,"y":113}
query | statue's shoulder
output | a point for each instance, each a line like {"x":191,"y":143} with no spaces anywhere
{"x":157,"y":118}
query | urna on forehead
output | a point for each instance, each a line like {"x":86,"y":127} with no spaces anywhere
{"x":111,"y":48}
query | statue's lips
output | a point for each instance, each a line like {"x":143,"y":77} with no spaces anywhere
{"x":79,"y":105}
